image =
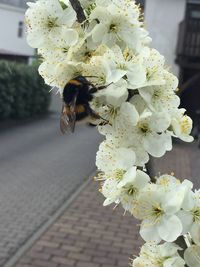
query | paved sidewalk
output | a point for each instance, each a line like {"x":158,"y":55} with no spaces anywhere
{"x":183,"y":161}
{"x":39,"y":170}
{"x":86,"y":235}
{"x":89,"y":235}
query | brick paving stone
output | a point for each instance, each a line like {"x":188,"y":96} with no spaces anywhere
{"x":90,"y":235}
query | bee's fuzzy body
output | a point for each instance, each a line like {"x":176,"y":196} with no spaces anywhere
{"x":77,"y":94}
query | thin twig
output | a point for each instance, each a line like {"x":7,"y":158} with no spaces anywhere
{"x":79,"y":10}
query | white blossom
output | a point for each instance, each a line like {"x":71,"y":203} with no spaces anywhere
{"x":58,"y":51}
{"x":124,"y":187}
{"x":150,"y":63}
{"x":182,"y":125}
{"x":115,"y":27}
{"x":165,"y":255}
{"x":190,"y":215}
{"x":158,"y":211}
{"x":152,"y":129}
{"x":162,"y":97}
{"x":59,"y":73}
{"x":45,"y":19}
{"x":109,"y":157}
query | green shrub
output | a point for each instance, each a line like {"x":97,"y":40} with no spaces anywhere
{"x":23,"y":93}
{"x":6,"y":91}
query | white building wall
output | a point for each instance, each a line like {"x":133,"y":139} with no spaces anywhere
{"x":162,"y":20}
{"x":9,"y":23}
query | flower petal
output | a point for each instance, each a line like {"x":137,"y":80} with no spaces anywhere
{"x":149,"y":232}
{"x":170,"y":228}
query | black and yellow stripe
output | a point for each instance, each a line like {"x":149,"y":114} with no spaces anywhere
{"x":74,"y":82}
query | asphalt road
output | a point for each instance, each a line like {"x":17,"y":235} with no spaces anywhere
{"x":39,"y":169}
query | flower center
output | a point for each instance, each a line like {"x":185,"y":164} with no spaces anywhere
{"x":113,"y":111}
{"x":128,"y":55}
{"x":156,"y":94}
{"x":143,"y":126}
{"x":88,"y":55}
{"x":151,"y":72}
{"x":65,"y":50}
{"x":196,"y":214}
{"x":51,"y":23}
{"x":185,"y":125}
{"x":119,"y":174}
{"x":132,"y":191}
{"x":157,"y":211}
{"x":122,"y":66}
{"x":161,"y":260}
{"x":113,"y":28}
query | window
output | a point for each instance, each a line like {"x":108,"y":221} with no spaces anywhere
{"x":193,"y":9}
{"x":21,"y":29}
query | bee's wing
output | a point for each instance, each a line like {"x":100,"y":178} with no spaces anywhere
{"x":72,"y":117}
{"x":64,"y":120}
{"x":68,"y":116}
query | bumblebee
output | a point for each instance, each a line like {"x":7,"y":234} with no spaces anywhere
{"x":77,"y":94}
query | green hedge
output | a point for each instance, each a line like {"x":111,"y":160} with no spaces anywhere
{"x":23,"y":93}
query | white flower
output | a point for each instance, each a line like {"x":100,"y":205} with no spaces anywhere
{"x":150,"y":63}
{"x":82,"y":52}
{"x":124,"y":186}
{"x":168,"y":182}
{"x":114,"y":27}
{"x":110,"y":190}
{"x":114,"y":95}
{"x":158,"y":211}
{"x":190,"y":214}
{"x":165,"y":255}
{"x":151,"y":128}
{"x":162,"y":97}
{"x":192,"y":256}
{"x":97,"y":68}
{"x":181,"y":125}
{"x":123,"y":63}
{"x":110,"y":158}
{"x":122,"y":132}
{"x":58,"y":74}
{"x":116,"y":63}
{"x":47,"y":70}
{"x":131,"y":184}
{"x":44,"y":21}
{"x":58,"y":51}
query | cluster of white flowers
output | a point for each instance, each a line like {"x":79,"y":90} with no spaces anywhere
{"x":141,"y":106}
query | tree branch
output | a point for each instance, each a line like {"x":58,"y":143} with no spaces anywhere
{"x":79,"y":10}
{"x":150,"y":170}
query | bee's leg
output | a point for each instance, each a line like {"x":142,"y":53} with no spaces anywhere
{"x":103,"y":87}
{"x":93,"y":90}
{"x":96,"y":89}
{"x":95,"y":115}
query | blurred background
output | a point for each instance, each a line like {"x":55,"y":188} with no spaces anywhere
{"x":51,"y":214}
